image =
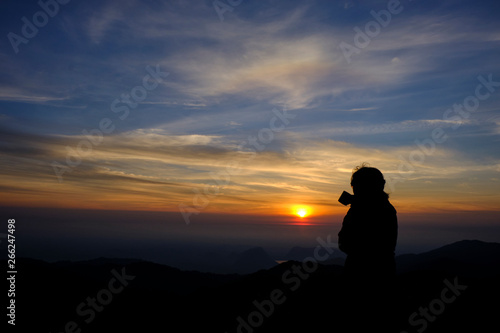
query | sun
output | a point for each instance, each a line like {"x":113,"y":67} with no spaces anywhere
{"x":301,"y":211}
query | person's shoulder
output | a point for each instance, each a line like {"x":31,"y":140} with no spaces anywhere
{"x":390,"y":207}
{"x":385,"y":204}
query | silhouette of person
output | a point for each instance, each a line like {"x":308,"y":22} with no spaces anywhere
{"x":368,"y":237}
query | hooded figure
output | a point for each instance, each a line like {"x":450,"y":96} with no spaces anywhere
{"x":368,"y":237}
{"x":370,"y":228}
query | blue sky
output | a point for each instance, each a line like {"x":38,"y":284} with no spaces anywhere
{"x":426,"y":59}
{"x":227,"y":79}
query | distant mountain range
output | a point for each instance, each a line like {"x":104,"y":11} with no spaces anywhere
{"x":467,"y":257}
{"x":213,"y":260}
{"x":463,"y":254}
{"x":251,"y":261}
{"x":111,"y":295}
{"x":299,"y":253}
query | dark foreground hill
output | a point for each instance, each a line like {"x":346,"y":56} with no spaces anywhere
{"x":109,"y":295}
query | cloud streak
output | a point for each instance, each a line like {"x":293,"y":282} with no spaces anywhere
{"x":225,"y":79}
{"x":151,"y":169}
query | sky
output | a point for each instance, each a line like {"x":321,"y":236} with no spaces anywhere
{"x":215,"y":120}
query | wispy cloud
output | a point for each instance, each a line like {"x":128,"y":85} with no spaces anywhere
{"x":132,"y":168}
{"x":225,"y":80}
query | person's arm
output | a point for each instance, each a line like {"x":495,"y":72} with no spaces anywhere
{"x":344,"y":235}
{"x":389,"y":233}
{"x":394,"y":230}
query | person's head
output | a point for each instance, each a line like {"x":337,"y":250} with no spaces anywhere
{"x":366,"y":180}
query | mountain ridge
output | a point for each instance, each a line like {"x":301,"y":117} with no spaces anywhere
{"x":311,"y":297}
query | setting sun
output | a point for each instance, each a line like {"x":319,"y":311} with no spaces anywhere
{"x":301,"y":211}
